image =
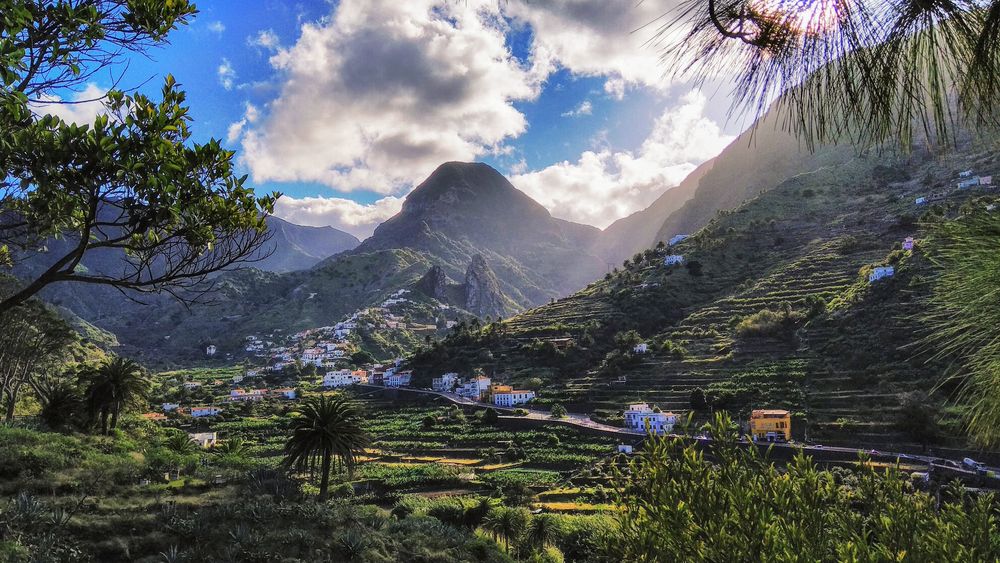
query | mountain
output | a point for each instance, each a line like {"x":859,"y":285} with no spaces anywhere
{"x":464,"y":210}
{"x":297,"y":247}
{"x":772,"y":305}
{"x":641,"y":229}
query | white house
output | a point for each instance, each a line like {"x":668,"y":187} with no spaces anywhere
{"x":247,"y":395}
{"x":968,"y":183}
{"x":986,"y":180}
{"x":965,"y":174}
{"x":191,"y":385}
{"x":204,"y":439}
{"x":908,"y":243}
{"x":170,"y":407}
{"x":445,"y":383}
{"x":283,"y":393}
{"x":642,"y":417}
{"x":210,"y":350}
{"x":340,"y":378}
{"x":450,"y":324}
{"x":511,"y":398}
{"x":673,"y":259}
{"x":921,"y":200}
{"x":624,"y":449}
{"x":475,"y":387}
{"x":676,"y":239}
{"x":641,"y":348}
{"x":205,"y":411}
{"x":237,"y":379}
{"x":398,"y":379}
{"x":881,"y":272}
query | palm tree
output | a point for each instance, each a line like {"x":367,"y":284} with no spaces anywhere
{"x":543,"y":530}
{"x":180,"y":443}
{"x":118,"y":385}
{"x":325,"y":428}
{"x":61,"y":403}
{"x":506,"y":524}
{"x":232,"y":446}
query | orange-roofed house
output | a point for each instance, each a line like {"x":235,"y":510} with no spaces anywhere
{"x":154,"y":416}
{"x":771,"y":425}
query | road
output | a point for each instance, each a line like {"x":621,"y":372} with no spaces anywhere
{"x":818,"y":451}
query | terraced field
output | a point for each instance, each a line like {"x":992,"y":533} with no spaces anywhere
{"x":842,"y":355}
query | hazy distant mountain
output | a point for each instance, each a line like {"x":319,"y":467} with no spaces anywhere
{"x":467,"y":209}
{"x":297,"y":247}
{"x":639,"y":231}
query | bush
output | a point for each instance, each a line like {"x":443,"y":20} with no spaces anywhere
{"x":768,"y":322}
{"x":558,"y":411}
{"x":491,"y":416}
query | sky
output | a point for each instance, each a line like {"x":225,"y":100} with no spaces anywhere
{"x":344,"y":107}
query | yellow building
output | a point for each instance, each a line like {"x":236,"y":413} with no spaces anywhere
{"x":771,"y":425}
{"x":500,"y":388}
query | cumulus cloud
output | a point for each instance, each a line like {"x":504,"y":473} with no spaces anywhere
{"x":82,"y":108}
{"x":347,"y":215}
{"x":377,"y":96}
{"x":226,"y":74}
{"x":265,"y":39}
{"x":585,"y":108}
{"x":217,"y":27}
{"x":250,"y":115}
{"x":604,"y":185}
{"x":599,"y":38}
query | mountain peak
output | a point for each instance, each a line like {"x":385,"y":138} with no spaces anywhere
{"x":472,"y":186}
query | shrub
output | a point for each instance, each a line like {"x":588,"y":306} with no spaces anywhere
{"x":768,"y":322}
{"x":558,"y":411}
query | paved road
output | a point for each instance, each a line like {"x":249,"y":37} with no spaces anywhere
{"x":584,"y":421}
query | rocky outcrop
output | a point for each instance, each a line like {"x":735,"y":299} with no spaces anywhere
{"x":434,"y":284}
{"x":482,"y":290}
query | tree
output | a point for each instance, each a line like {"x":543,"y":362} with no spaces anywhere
{"x":325,"y":428}
{"x":558,"y":411}
{"x":491,"y":416}
{"x":868,"y":72}
{"x":116,"y":386}
{"x":33,"y":341}
{"x":543,"y":531}
{"x":963,"y":319}
{"x":730,"y":503}
{"x":916,"y":418}
{"x":362,"y":357}
{"x":61,"y":403}
{"x":130,"y":185}
{"x":507,"y":524}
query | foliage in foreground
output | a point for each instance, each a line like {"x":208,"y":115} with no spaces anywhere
{"x":680,"y":506}
{"x":965,"y":316}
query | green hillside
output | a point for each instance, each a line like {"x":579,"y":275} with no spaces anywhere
{"x":772,"y":308}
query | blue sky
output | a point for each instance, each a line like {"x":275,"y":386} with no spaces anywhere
{"x":345,"y":107}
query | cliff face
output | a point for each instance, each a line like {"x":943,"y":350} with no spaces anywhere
{"x":434,"y":284}
{"x":482,"y":290}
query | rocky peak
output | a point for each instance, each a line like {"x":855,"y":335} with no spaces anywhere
{"x":434,"y":283}
{"x":482,"y":290}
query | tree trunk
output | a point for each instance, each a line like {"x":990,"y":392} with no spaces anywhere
{"x":114,"y":417}
{"x":11,"y":401}
{"x":324,"y":479}
{"x":104,"y":421}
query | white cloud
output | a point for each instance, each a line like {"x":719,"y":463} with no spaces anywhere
{"x":265,"y":39}
{"x":599,"y":38}
{"x":86,"y":105}
{"x":585,"y":108}
{"x":217,"y":27}
{"x":615,"y":87}
{"x":235,"y":130}
{"x":379,"y":94}
{"x":604,"y":185}
{"x":347,"y":215}
{"x":226,"y":74}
